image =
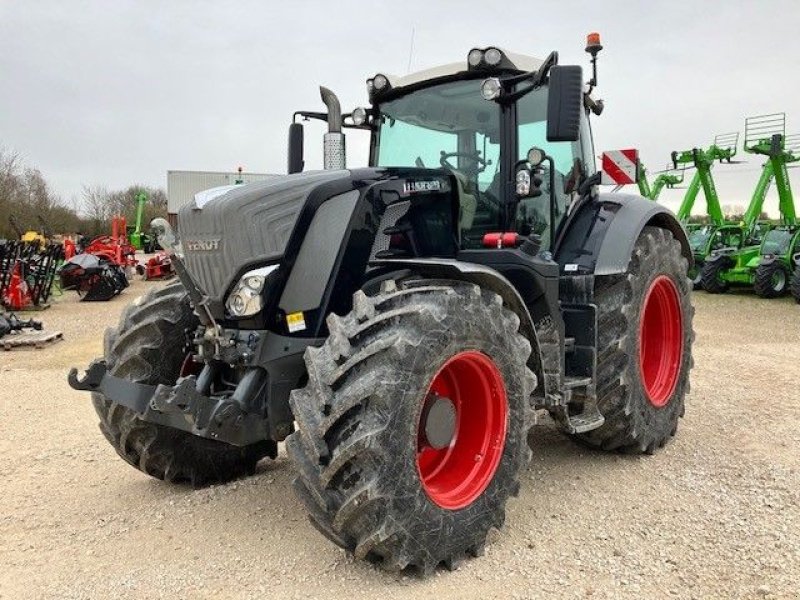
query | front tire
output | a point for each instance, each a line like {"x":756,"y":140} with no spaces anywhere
{"x":770,"y":280}
{"x":645,"y":347}
{"x":711,"y":276}
{"x":370,"y":473}
{"x":150,"y":346}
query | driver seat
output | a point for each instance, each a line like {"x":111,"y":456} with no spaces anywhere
{"x":467,"y":201}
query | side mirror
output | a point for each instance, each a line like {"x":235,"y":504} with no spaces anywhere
{"x":296,"y":148}
{"x":564,"y":103}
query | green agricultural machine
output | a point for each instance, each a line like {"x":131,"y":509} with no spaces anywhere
{"x":718,"y":233}
{"x":763,"y":262}
{"x":139,"y":239}
{"x":664,"y":179}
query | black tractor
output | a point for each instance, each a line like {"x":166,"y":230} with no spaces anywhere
{"x":400,"y":326}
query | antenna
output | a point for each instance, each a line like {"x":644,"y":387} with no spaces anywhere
{"x":411,"y":51}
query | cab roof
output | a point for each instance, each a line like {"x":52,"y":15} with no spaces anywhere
{"x":512,"y":62}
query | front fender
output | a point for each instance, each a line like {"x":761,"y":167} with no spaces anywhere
{"x":485,"y":277}
{"x":601,"y":236}
{"x":764,"y":259}
{"x":723,"y":255}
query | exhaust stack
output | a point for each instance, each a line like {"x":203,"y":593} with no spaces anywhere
{"x":334,"y":155}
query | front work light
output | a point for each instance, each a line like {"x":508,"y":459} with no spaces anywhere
{"x":474,"y":57}
{"x":492,"y":56}
{"x":491,"y":88}
{"x":380,"y":82}
{"x":523,"y":182}
{"x":359,"y":116}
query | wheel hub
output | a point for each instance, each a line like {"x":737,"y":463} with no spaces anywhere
{"x":660,"y":341}
{"x":440,"y":421}
{"x":461,"y":430}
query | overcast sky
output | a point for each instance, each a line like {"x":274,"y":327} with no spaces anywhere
{"x":116,"y":93}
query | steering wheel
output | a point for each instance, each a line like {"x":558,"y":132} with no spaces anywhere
{"x":478,"y":164}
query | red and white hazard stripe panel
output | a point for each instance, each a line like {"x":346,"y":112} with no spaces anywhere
{"x":620,"y":167}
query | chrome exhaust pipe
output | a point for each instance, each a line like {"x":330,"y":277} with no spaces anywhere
{"x":333,"y":150}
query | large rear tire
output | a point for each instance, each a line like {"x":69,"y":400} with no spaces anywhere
{"x":645,"y":340}
{"x":150,"y":346}
{"x":380,"y":475}
{"x":771,"y":280}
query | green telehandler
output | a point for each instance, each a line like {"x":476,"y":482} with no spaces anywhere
{"x":664,"y":179}
{"x":718,"y":232}
{"x":764,"y":261}
{"x":139,"y":239}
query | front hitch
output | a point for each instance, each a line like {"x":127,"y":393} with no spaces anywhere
{"x":184,"y":406}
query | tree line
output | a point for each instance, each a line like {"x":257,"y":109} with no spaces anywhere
{"x":26,"y":195}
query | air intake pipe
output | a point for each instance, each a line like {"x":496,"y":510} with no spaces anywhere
{"x":334,"y":156}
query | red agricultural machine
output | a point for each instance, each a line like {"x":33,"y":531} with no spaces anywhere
{"x":27,"y":269}
{"x":156,"y":267}
{"x":100,"y":272}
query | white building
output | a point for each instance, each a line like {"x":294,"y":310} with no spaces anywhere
{"x":183,"y":185}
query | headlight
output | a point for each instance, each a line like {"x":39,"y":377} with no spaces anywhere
{"x":245,"y":298}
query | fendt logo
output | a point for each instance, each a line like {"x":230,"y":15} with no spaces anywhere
{"x":206,"y":245}
{"x":417,"y":186}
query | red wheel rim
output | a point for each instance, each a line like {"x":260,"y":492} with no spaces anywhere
{"x":660,"y":341}
{"x":454,"y":476}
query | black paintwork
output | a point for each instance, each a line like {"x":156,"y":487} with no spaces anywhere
{"x":555,"y":308}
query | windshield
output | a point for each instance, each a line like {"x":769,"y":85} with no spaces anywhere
{"x":777,"y":242}
{"x":451,"y":126}
{"x":698,"y":238}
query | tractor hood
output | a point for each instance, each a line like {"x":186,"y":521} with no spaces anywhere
{"x":245,"y":224}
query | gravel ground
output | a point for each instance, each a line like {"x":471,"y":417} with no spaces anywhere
{"x":716,"y":514}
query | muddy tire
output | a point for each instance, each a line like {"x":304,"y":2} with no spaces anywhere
{"x":771,"y":280}
{"x":795,"y":283}
{"x":696,"y":275}
{"x":149,"y":346}
{"x":374,"y":471}
{"x":645,"y":341}
{"x":711,"y":276}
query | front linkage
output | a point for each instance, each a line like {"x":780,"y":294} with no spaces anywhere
{"x":255,"y":411}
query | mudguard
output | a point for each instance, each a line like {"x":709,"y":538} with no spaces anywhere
{"x":600,"y":237}
{"x":487,"y":278}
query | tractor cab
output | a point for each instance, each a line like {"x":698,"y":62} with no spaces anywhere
{"x":479,"y":121}
{"x":779,"y":241}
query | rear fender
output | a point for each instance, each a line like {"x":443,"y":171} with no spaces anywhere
{"x":600,"y":238}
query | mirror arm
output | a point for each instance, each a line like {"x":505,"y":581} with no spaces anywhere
{"x":551,"y":165}
{"x":309,"y":115}
{"x":511,"y":98}
{"x":537,"y":78}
